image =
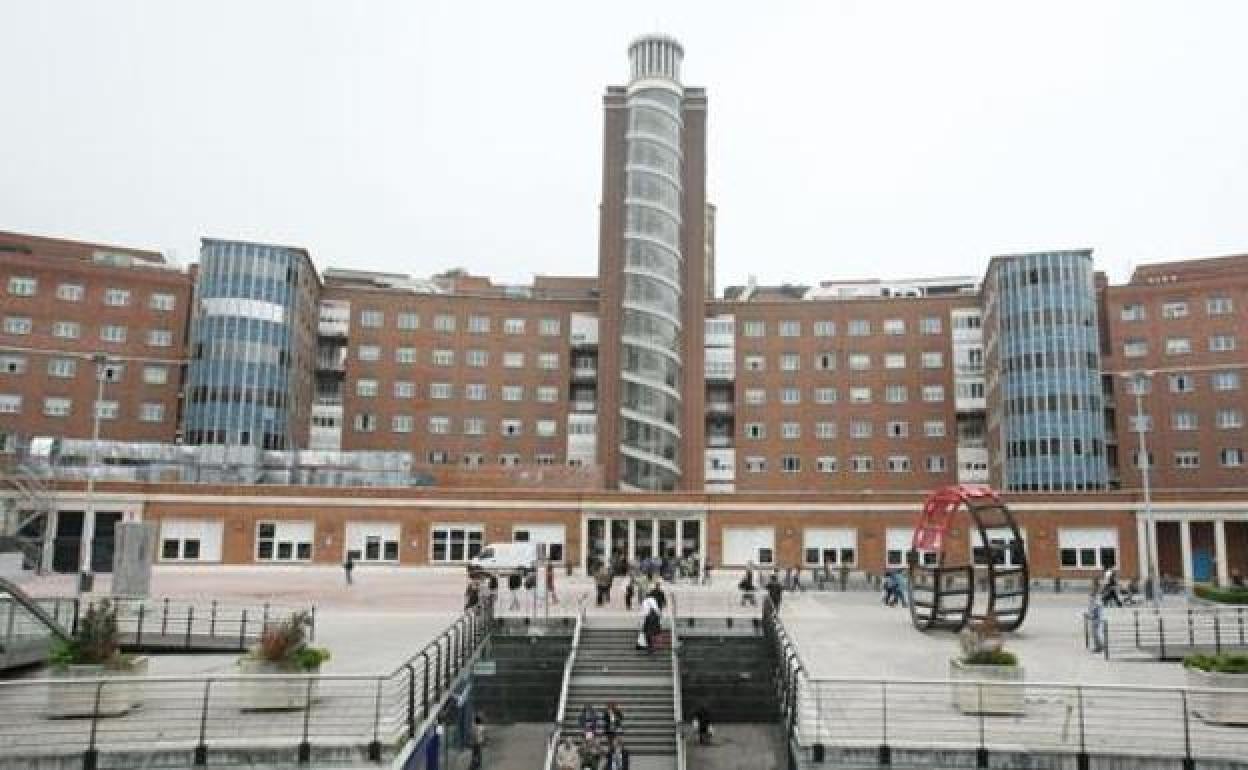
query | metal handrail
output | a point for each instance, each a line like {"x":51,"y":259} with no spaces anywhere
{"x":677,"y":707}
{"x":553,"y":742}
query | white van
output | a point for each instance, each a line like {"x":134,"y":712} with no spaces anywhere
{"x":507,"y":558}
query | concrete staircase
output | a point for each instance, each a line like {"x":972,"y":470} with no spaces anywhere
{"x":608,"y":669}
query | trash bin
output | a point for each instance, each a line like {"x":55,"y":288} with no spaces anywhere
{"x":86,"y":582}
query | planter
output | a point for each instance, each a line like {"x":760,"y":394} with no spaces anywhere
{"x":1227,"y":708}
{"x":969,"y":697}
{"x":69,"y":698}
{"x":279,"y":694}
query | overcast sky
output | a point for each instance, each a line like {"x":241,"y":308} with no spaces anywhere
{"x":848,"y":139}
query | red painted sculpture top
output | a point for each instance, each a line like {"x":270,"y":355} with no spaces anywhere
{"x":938,"y":512}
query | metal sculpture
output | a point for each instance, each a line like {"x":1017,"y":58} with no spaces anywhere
{"x":943,"y":595}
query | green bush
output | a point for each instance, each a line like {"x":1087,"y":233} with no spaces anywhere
{"x":991,"y":658}
{"x":1227,"y":595}
{"x":286,"y":644}
{"x":96,"y":642}
{"x":1226,"y":663}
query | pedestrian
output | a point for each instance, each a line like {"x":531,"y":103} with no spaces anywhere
{"x":746,"y":586}
{"x":702,"y":725}
{"x":551,"y":596}
{"x":902,"y":589}
{"x":617,"y":756}
{"x":775,"y":591}
{"x":472,"y":595}
{"x":530,"y":587}
{"x":630,"y":590}
{"x":1237,"y":580}
{"x":660,"y":598}
{"x":478,"y":742}
{"x":706,"y":573}
{"x":513,"y":585}
{"x":1109,"y":591}
{"x":1095,"y":618}
{"x":588,"y":719}
{"x":603,"y":583}
{"x":844,"y":577}
{"x":614,"y":719}
{"x":890,"y":589}
{"x":348,"y":566}
{"x":651,"y":623}
{"x":566,"y":756}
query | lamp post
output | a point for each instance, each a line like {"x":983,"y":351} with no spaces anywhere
{"x":1145,"y":464}
{"x":86,"y":577}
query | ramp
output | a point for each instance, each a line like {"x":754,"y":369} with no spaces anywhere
{"x":29,"y":627}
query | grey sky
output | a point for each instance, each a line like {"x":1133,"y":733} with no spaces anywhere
{"x":848,"y":139}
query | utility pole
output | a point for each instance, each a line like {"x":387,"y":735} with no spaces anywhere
{"x":1145,"y":464}
{"x":86,"y":576}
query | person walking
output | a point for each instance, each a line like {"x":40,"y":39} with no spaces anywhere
{"x":513,"y":585}
{"x":1109,"y":591}
{"x":617,"y":756}
{"x":588,"y":719}
{"x":901,"y":590}
{"x":706,"y":573}
{"x":746,"y":586}
{"x":478,"y":742}
{"x":890,"y":589}
{"x":566,"y":756}
{"x":630,"y":590}
{"x":1095,"y":618}
{"x":614,"y":720}
{"x":551,"y":596}
{"x":603,"y":584}
{"x":348,"y":567}
{"x":775,"y":592}
{"x":472,"y":594}
{"x":660,"y":598}
{"x":651,"y":623}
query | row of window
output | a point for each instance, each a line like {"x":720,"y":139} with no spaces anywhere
{"x":1053,"y":447}
{"x":1186,"y":419}
{"x":476,"y":358}
{"x":23,"y":286}
{"x":58,"y":406}
{"x":365,"y":422}
{"x":857,"y":464}
{"x":65,"y":368}
{"x":72,"y":330}
{"x":827,"y":429}
{"x":893,"y":394}
{"x":445,"y":322}
{"x":854,"y":328}
{"x":1185,"y":382}
{"x":440,"y":391}
{"x":827,"y":361}
{"x":1178,"y":308}
{"x":1188,"y":459}
{"x":1179,"y":346}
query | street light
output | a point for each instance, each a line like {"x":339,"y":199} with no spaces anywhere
{"x":104,"y":373}
{"x":1145,"y":464}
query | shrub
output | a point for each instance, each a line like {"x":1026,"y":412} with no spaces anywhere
{"x":286,"y":644}
{"x":991,"y":658}
{"x":96,"y":642}
{"x":1226,"y":663}
{"x":1229,"y":595}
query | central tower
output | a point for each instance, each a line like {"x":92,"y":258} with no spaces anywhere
{"x":652,"y":255}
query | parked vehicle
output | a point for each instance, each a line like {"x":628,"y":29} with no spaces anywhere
{"x":504,"y":558}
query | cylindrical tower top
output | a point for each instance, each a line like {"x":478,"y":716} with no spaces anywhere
{"x":655,"y":56}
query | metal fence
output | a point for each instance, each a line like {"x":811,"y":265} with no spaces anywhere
{"x":1168,"y":634}
{"x":210,"y":720}
{"x":170,"y":625}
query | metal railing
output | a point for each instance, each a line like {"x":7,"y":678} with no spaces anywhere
{"x":557,"y":730}
{"x":677,"y":706}
{"x":342,"y":717}
{"x":197,"y":624}
{"x":1168,"y":633}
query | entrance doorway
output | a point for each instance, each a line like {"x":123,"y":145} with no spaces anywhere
{"x":640,"y":538}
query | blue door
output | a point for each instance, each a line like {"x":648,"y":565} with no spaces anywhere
{"x":1202,"y":566}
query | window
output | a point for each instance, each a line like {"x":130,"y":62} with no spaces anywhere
{"x":62,"y":368}
{"x":790,"y":328}
{"x":790,"y":362}
{"x":1230,"y":418}
{"x":860,"y":428}
{"x":159,"y":338}
{"x":825,"y":430}
{"x":162,"y":303}
{"x":476,"y":391}
{"x":365,"y":422}
{"x":57,"y":407}
{"x":545,"y":458}
{"x":895,"y":394}
{"x":1183,"y":420}
{"x":860,"y":395}
{"x":477,"y":358}
{"x":67,"y":330}
{"x":929,"y":325}
{"x":933,"y":359}
{"x":1174,"y":309}
{"x":1231,"y":457}
{"x":546,"y":428}
{"x":548,"y":361}
{"x":1221,"y":343}
{"x":443,"y":358}
{"x":825,"y":328}
{"x":70,"y":292}
{"x":1224,"y":381}
{"x":1187,"y":459}
{"x":117,"y":297}
{"x":755,"y":430}
{"x":369,"y":352}
{"x":1087,"y":548}
{"x":107,"y":410}
{"x":372,"y":319}
{"x":10,"y":403}
{"x":151,"y":412}
{"x":1135,"y":348}
{"x":898,"y":464}
{"x":1180,"y":383}
{"x":894,"y":326}
{"x":756,"y":464}
{"x":12,"y":364}
{"x":1178,"y":346}
{"x":408,"y":322}
{"x":16,"y":325}
{"x":513,"y":326}
{"x":894,"y":360}
{"x":1140,"y":423}
{"x":1219,"y":305}
{"x":754,"y":363}
{"x":405,"y":355}
{"x":404,"y":389}
{"x":859,"y":362}
{"x":1133,"y":312}
{"x":933,"y":393}
{"x":829,"y":547}
{"x":790,"y":395}
{"x":898,"y":429}
{"x":825,"y":395}
{"x":754,"y":328}
{"x":936,"y":464}
{"x":860,"y":464}
{"x":512,"y":427}
{"x":547,"y":394}
{"x":934,"y":428}
{"x":859,"y":328}
{"x":443,"y":323}
{"x":479,"y":324}
{"x":474,"y":426}
{"x":508,"y":460}
{"x":20,"y":286}
{"x":366,"y":388}
{"x":284,"y":540}
{"x":970,"y":390}
{"x":548,"y":327}
{"x":1140,"y":386}
{"x":755,"y":396}
{"x":155,"y":375}
{"x":1149,"y":462}
{"x":439,"y":426}
{"x":440,"y":391}
{"x":113,"y":333}
{"x":513,"y":360}
{"x":790,"y":463}
{"x":825,"y":362}
{"x":513,"y":392}
{"x":825,"y":464}
{"x":402,"y":423}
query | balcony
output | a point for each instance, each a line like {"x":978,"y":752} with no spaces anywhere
{"x":720,"y":407}
{"x":718,"y":442}
{"x":584,"y":372}
{"x":333,"y":327}
{"x":332,"y":363}
{"x":720,"y":465}
{"x":584,"y":407}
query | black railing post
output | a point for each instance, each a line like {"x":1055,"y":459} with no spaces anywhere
{"x":264,"y":622}
{"x":886,"y":752}
{"x":1188,"y":762}
{"x":91,"y":759}
{"x":1136,"y":614}
{"x":981,"y":753}
{"x":411,"y":700}
{"x":312,"y":627}
{"x":1105,"y":630}
{"x":305,"y":745}
{"x":190,"y":620}
{"x":1239,"y":616}
{"x":164,"y":617}
{"x":1083,"y":761}
{"x":201,"y":749}
{"x":1161,"y":635}
{"x":374,"y":748}
{"x":437,"y":674}
{"x":1217,"y":633}
{"x":138,"y":632}
{"x":242,"y":630}
{"x":212,"y":621}
{"x":1191,"y":629}
{"x":77,"y":611}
